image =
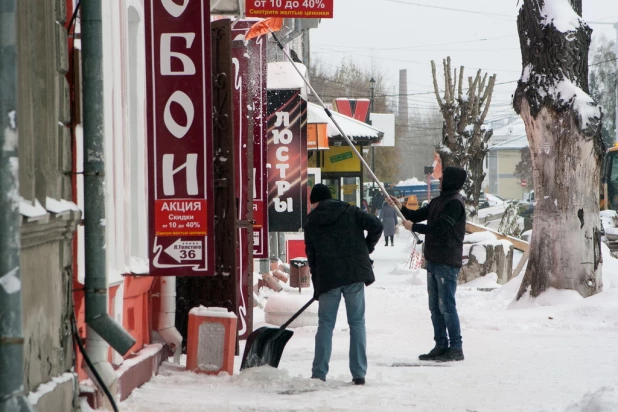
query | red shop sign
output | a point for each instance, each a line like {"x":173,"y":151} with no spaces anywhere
{"x":179,"y":130}
{"x":249,"y":63}
{"x":298,"y":9}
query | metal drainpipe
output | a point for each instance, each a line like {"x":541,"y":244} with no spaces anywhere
{"x":11,"y":329}
{"x":166,"y":326}
{"x":102,"y":329}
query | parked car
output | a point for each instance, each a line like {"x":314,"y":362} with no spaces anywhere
{"x":526,"y":206}
{"x":483,"y":202}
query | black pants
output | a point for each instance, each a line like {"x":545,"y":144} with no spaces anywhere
{"x":386,"y":240}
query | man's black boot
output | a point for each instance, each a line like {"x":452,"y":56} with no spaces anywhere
{"x":433,"y":354}
{"x":358,"y":381}
{"x":451,"y":355}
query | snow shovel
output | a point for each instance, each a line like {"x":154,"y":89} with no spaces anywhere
{"x":345,"y":136}
{"x":265,"y":345}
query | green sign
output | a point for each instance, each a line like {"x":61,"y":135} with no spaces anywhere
{"x":341,"y":157}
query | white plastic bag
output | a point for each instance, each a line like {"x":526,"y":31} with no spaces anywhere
{"x":416,"y":259}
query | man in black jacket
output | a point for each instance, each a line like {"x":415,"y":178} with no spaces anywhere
{"x":338,"y":254}
{"x":444,"y":235}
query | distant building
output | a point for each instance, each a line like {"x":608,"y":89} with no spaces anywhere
{"x":504,"y":154}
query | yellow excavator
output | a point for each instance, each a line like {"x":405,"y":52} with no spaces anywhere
{"x":609,"y":179}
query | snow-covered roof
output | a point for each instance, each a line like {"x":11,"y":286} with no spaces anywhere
{"x":354,"y":129}
{"x":228,"y":7}
{"x":282,"y":75}
{"x":509,"y":134}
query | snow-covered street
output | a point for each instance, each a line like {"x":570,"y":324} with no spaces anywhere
{"x":558,"y":353}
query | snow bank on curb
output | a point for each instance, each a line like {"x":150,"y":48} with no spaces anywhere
{"x":551,"y":297}
{"x":610,"y":269}
{"x":603,"y":400}
{"x":490,"y":280}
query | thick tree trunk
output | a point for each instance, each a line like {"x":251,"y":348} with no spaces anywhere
{"x":565,"y":248}
{"x":563,"y":128}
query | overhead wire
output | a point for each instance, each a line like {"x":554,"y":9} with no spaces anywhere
{"x":419,"y":46}
{"x":452,"y":9}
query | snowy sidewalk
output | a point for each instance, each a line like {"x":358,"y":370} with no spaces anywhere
{"x":522,"y":357}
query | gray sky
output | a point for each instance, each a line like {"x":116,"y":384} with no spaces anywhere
{"x":398,"y":34}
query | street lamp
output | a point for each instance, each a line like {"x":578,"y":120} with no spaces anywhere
{"x":372,"y":86}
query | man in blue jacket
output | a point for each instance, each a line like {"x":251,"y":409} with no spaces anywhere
{"x":338,"y":253}
{"x":444,"y":235}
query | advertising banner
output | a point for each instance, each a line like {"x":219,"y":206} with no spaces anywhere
{"x":287,"y":157}
{"x":250,"y":58}
{"x":249,"y":72}
{"x":317,"y":136}
{"x":179,"y":130}
{"x":294,"y":9}
{"x":355,"y":108}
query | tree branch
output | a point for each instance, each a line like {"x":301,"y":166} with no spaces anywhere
{"x":435,"y":85}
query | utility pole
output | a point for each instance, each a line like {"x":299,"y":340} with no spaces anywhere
{"x":11,"y":328}
{"x":372,"y":86}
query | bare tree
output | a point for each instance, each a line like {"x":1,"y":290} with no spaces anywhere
{"x":464,"y":136}
{"x":563,"y":125}
{"x":603,"y":84}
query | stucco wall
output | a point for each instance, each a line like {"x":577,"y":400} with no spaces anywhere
{"x":45,"y":157}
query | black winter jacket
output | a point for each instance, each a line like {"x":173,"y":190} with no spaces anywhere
{"x":446,"y":221}
{"x":336,"y":246}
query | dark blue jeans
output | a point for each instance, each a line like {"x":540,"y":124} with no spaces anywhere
{"x":441,"y":287}
{"x":354,"y":296}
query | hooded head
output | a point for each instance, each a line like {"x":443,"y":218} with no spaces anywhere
{"x":320,"y":192}
{"x":453,"y":178}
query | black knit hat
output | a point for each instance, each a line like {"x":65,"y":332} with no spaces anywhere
{"x":320,"y":192}
{"x":453,"y":178}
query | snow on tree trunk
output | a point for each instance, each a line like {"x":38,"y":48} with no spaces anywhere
{"x":563,"y":125}
{"x":464,"y":137}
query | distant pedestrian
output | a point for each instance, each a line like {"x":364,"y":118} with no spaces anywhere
{"x":388,"y":216}
{"x":444,"y":234}
{"x":338,"y":253}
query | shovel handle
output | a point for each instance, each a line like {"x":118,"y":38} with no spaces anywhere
{"x":297,"y":314}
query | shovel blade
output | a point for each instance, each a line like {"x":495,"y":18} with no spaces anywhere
{"x":265,"y":347}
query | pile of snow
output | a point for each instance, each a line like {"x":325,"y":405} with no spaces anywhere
{"x":551,"y":297}
{"x":560,"y":13}
{"x":211,"y":312}
{"x":411,"y":182}
{"x":608,"y":217}
{"x":603,"y":400}
{"x":490,"y":280}
{"x":479,"y":237}
{"x":610,"y":269}
{"x":280,"y":308}
{"x":580,"y":100}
